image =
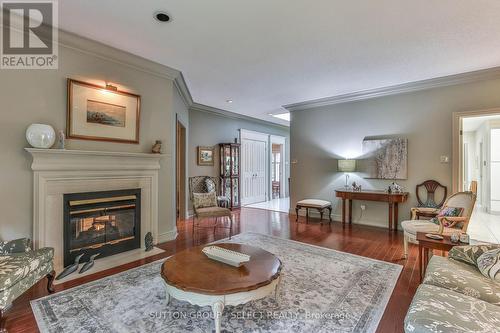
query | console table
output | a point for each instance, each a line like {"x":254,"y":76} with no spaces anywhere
{"x":392,"y":199}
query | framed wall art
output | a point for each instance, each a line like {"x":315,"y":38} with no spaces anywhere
{"x":205,"y":156}
{"x":384,"y":158}
{"x":102,"y":113}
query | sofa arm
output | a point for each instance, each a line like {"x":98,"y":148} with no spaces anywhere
{"x":469,"y":253}
{"x":15,"y":246}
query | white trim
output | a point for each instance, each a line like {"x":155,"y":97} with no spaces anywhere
{"x":232,"y":115}
{"x":167,"y":236}
{"x":253,"y":135}
{"x":444,"y":81}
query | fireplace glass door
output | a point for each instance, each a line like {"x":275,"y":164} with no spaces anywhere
{"x":101,"y":222}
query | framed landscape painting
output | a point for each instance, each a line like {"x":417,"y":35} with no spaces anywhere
{"x":97,"y":113}
{"x":205,"y":155}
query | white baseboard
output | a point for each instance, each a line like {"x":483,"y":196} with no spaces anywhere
{"x":167,"y":236}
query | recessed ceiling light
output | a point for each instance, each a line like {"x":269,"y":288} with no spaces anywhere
{"x":162,"y":16}
{"x":229,"y":101}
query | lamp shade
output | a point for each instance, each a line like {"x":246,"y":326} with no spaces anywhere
{"x":346,"y":165}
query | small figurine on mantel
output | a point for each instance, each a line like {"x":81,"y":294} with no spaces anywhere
{"x":61,"y":140}
{"x":148,"y":241}
{"x":156,"y":147}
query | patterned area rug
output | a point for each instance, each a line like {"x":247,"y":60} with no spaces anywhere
{"x":322,"y":290}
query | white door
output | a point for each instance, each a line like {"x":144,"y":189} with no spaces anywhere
{"x":253,"y":171}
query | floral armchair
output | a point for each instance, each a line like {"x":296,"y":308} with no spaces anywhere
{"x":20,"y":268}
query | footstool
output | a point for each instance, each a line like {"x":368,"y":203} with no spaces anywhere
{"x":319,"y":205}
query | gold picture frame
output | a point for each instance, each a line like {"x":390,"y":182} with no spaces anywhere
{"x":205,"y":156}
{"x":102,"y":113}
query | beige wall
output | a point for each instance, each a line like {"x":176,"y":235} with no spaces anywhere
{"x":319,"y":136}
{"x":39,"y":96}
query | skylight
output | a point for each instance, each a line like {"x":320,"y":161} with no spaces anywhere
{"x":284,"y":116}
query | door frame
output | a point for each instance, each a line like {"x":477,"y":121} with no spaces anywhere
{"x":180,"y":170}
{"x":279,"y":140}
{"x":457,"y":137}
{"x":255,"y":136}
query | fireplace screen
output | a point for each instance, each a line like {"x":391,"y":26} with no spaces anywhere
{"x":101,"y":222}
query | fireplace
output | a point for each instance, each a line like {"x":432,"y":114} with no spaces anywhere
{"x":107,"y":222}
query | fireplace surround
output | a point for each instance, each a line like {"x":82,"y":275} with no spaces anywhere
{"x":57,"y":172}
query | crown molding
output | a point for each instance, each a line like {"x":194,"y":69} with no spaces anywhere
{"x":444,"y":81}
{"x":97,"y":49}
{"x":232,"y":115}
{"x":183,"y":89}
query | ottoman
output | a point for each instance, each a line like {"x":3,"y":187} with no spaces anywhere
{"x":319,"y":205}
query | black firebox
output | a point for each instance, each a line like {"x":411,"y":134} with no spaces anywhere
{"x":107,"y":222}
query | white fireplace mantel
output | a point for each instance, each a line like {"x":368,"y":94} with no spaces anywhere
{"x":58,"y":171}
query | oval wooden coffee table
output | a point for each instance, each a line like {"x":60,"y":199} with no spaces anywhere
{"x":192,"y":277}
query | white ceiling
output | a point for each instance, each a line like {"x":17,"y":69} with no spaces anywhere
{"x":263,"y":54}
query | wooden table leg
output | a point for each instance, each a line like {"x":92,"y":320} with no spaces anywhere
{"x":307,"y":215}
{"x":350,"y":211}
{"x":420,"y":260}
{"x":426,"y":260}
{"x":396,"y":216}
{"x":297,"y":213}
{"x":390,"y":215}
{"x":343,"y":211}
{"x":321,"y":216}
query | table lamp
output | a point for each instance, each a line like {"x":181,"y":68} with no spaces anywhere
{"x":346,"y":166}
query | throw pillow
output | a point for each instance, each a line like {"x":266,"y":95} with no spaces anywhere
{"x":15,"y":246}
{"x":489,"y":264}
{"x":470,"y":253}
{"x":447,"y":211}
{"x":203,"y":200}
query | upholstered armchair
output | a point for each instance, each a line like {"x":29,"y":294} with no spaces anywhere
{"x":21,"y":268}
{"x":203,"y":192}
{"x":461,"y":202}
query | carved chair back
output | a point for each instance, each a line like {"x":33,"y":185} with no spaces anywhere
{"x":430,"y":187}
{"x":203,"y":184}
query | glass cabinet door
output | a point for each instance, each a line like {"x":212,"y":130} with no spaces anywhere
{"x":236,"y":192}
{"x":235,"y":153}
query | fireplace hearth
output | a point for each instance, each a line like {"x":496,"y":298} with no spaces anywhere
{"x":106,"y":222}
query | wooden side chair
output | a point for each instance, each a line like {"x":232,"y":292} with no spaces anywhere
{"x":203,"y":192}
{"x":428,"y":207}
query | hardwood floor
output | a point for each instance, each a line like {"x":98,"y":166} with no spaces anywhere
{"x":370,"y":242}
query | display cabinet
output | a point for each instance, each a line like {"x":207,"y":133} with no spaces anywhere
{"x":230,"y":172}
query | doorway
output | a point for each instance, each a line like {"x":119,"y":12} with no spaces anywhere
{"x":263,"y":165}
{"x":180,"y":171}
{"x":476,"y":142}
{"x":254,"y":167}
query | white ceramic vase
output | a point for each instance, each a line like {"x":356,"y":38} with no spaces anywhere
{"x":40,"y":136}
